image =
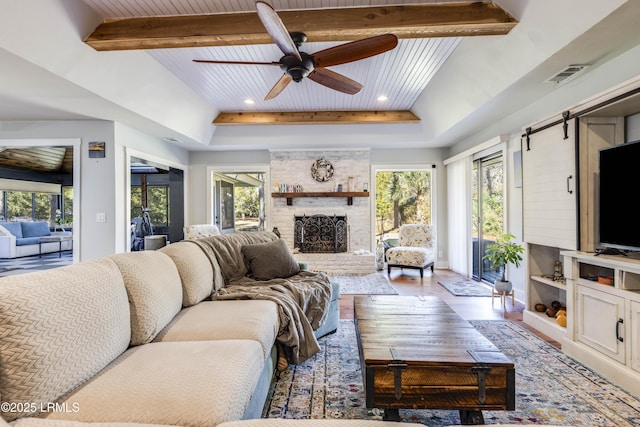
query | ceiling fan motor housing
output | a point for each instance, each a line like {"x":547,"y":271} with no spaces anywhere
{"x":295,"y":68}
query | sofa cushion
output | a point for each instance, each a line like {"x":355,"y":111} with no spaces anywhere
{"x":271,"y":260}
{"x":222,"y":320}
{"x":195,"y":269}
{"x":198,"y":231}
{"x":14,"y":228}
{"x":40,"y":422}
{"x":5,"y":232}
{"x":35,"y":229}
{"x":196,"y":384}
{"x":27,"y":241}
{"x":58,"y":328}
{"x":154,"y":290}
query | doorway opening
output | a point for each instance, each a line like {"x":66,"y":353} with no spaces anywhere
{"x":238,"y":202}
{"x":156,"y":202}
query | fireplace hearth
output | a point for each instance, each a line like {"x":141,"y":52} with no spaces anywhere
{"x":320,"y":234}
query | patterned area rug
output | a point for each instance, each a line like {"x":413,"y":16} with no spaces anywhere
{"x":466,"y":288}
{"x":370,"y":284}
{"x":10,"y":267}
{"x":551,"y":388}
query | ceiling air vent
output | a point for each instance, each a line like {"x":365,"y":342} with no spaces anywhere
{"x":568,"y":73}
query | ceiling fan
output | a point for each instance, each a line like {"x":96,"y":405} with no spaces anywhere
{"x":298,"y":65}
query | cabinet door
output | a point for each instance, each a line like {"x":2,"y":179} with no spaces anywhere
{"x":635,"y":335}
{"x":599,"y":319}
{"x":549,"y":188}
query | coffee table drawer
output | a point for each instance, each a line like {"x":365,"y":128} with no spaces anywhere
{"x":440,"y":387}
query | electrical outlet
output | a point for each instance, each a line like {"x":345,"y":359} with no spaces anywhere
{"x":439,"y":254}
{"x":101,"y":217}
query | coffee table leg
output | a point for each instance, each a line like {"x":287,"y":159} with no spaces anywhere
{"x":391,"y":414}
{"x":471,"y":418}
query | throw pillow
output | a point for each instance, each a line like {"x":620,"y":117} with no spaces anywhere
{"x":271,"y":260}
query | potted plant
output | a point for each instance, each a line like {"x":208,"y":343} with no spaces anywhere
{"x":502,"y":253}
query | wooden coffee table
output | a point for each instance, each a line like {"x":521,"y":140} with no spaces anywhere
{"x":416,"y":352}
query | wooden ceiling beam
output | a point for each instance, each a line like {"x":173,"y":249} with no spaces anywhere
{"x":320,"y":25}
{"x":316,"y":118}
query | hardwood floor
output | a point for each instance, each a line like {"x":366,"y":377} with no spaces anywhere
{"x":408,"y":282}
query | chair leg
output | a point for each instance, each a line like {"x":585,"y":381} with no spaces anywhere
{"x":422,"y":273}
{"x":431,"y":268}
{"x":389,"y":269}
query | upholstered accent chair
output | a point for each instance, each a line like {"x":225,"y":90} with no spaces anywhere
{"x":415,"y":250}
{"x":198,"y":231}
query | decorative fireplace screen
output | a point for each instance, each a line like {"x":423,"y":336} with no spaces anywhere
{"x":320,"y":234}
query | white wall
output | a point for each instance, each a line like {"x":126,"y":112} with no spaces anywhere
{"x":199,"y":161}
{"x":101,"y":180}
{"x":96,"y":177}
{"x":514,"y":216}
{"x":632,"y":128}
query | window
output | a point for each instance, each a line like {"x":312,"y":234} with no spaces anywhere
{"x":238,"y":200}
{"x":26,"y":206}
{"x":488,"y":212}
{"x":157,"y":198}
{"x":402,"y":197}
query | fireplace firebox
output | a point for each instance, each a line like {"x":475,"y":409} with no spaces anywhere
{"x":320,"y":234}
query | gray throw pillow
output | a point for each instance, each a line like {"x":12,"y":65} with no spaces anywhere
{"x":271,"y":260}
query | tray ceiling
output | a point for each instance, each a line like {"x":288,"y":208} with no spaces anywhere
{"x":399,"y":75}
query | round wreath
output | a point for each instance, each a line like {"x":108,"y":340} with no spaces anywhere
{"x":322,"y":170}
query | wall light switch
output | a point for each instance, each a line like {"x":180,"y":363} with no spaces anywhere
{"x":101,"y":217}
{"x":439,"y":254}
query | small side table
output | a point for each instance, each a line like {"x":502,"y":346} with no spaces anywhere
{"x":49,"y":239}
{"x":503,"y":296}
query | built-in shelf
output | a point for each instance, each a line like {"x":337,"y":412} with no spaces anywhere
{"x":550,"y":282}
{"x":349,"y":195}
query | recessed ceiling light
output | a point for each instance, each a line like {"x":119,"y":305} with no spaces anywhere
{"x":249,"y":101}
{"x":382,"y":98}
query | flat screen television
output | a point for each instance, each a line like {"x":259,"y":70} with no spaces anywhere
{"x":619,"y":197}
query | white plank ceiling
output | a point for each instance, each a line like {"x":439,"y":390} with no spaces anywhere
{"x":400,"y":75}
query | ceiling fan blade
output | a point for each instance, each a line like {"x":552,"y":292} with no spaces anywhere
{"x":207,"y":61}
{"x":335,"y":81}
{"x":354,"y":51}
{"x":278,"y":87}
{"x":276,"y":29}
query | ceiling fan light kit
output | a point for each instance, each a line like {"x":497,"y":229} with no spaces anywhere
{"x":297,"y":65}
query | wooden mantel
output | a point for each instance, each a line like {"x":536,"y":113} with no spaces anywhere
{"x":349,"y":195}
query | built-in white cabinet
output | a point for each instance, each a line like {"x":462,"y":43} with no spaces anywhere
{"x":559,"y":207}
{"x":599,"y":319}
{"x":603,"y":331}
{"x":634,"y":335}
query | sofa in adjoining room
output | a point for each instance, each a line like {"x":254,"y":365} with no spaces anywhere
{"x":22,"y":238}
{"x":179,"y":336}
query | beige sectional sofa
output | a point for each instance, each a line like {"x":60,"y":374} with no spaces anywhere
{"x":136,"y":338}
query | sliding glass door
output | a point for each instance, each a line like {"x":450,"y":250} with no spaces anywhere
{"x":488,"y":211}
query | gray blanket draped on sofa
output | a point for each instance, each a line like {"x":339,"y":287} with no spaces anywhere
{"x":302,"y":299}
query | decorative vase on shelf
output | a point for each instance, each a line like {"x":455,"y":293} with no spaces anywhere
{"x":350,"y":184}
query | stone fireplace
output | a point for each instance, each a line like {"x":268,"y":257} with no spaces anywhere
{"x":294,"y":168}
{"x":320,"y":234}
